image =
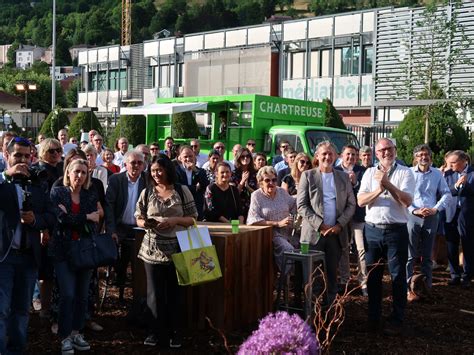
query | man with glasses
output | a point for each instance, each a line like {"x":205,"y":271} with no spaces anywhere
{"x":119,"y":155}
{"x":431,"y":196}
{"x":284,"y":144}
{"x":220,"y":147}
{"x":63,"y":139}
{"x":201,"y":159}
{"x":251,"y":146}
{"x":23,"y":218}
{"x":121,"y":199}
{"x":154,"y":149}
{"x":460,"y":179}
{"x":386,"y":191}
{"x":326,"y":202}
{"x":98,"y":143}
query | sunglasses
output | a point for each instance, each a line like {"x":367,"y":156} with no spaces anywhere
{"x":284,"y":146}
{"x":220,"y":147}
{"x":154,"y":148}
{"x":267,"y":180}
{"x":251,"y":144}
{"x":245,"y":156}
{"x":304,"y":162}
{"x":57,"y":150}
{"x":194,"y":146}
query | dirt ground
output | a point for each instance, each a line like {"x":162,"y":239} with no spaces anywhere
{"x":438,"y":325}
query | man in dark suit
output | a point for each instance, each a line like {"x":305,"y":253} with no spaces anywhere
{"x":326,"y":203}
{"x":24,"y":214}
{"x":460,"y":179}
{"x":349,"y":157}
{"x":121,"y":199}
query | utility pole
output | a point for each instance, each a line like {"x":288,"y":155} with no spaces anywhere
{"x":53,"y":60}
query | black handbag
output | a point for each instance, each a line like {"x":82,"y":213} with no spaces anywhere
{"x":92,"y":252}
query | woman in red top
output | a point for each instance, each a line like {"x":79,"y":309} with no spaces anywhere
{"x":108,"y":158}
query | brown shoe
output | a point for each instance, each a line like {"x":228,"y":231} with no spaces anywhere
{"x":412,"y":297}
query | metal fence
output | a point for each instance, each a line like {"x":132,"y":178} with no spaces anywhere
{"x":369,"y":135}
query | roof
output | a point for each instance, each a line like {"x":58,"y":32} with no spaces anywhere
{"x":9,"y":98}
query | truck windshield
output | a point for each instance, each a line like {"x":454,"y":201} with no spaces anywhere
{"x":339,"y":139}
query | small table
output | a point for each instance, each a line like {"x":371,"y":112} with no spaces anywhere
{"x":307,"y":260}
{"x":244,"y":294}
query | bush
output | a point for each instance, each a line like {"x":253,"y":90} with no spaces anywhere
{"x":184,"y":125}
{"x":84,"y":121}
{"x":332,"y":118}
{"x":445,"y":133}
{"x":56,"y":120}
{"x":132,"y":127}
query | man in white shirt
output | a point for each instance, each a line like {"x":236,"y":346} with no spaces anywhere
{"x":386,"y":191}
{"x":122,"y":144}
{"x":326,"y":202}
{"x":98,"y":142}
{"x":63,"y":139}
{"x":201,"y":159}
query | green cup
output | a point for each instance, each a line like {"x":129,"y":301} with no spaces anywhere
{"x":304,"y":247}
{"x":235,"y":226}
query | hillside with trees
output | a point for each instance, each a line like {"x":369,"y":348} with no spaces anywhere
{"x":98,"y":22}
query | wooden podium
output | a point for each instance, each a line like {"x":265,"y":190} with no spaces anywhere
{"x":243,"y":295}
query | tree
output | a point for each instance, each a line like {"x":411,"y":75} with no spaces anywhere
{"x":84,"y":122}
{"x":56,"y":120}
{"x":446,"y":134}
{"x":183,"y":125}
{"x":132,"y":127}
{"x":72,"y":93}
{"x":332,"y":118}
{"x":435,"y":49}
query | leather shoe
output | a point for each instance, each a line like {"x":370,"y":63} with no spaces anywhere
{"x":454,"y":282}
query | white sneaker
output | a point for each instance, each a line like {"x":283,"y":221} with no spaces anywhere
{"x":79,"y":343}
{"x":66,"y":346}
{"x":54,"y":328}
{"x":37,"y":304}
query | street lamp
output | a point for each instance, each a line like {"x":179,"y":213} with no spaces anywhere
{"x":26,"y":87}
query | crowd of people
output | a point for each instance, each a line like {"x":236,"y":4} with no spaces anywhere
{"x":62,"y":190}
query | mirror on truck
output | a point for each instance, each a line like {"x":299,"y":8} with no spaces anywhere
{"x":267,"y":143}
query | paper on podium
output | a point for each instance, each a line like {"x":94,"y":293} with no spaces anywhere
{"x":196,"y":241}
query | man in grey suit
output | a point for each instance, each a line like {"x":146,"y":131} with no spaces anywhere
{"x":326,"y":203}
{"x":121,"y":199}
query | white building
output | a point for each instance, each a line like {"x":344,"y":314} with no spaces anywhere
{"x":26,"y":55}
{"x":356,"y":59}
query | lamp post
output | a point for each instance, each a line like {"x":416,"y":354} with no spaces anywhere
{"x":26,"y":87}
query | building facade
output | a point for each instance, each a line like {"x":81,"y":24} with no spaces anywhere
{"x":360,"y":60}
{"x":26,"y":55}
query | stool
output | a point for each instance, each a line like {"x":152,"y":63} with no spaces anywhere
{"x":307,"y":261}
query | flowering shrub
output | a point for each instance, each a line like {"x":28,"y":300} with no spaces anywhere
{"x":281,"y":333}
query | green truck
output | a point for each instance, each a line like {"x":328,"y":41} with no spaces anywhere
{"x":235,"y":118}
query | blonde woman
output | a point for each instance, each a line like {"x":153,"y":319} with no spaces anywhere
{"x":290,"y":182}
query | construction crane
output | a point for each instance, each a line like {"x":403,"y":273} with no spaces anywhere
{"x":126,"y":22}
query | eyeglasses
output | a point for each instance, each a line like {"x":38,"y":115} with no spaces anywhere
{"x":219,"y":147}
{"x":251,"y":144}
{"x":382,"y":150}
{"x":284,"y":146}
{"x":194,"y":146}
{"x":304,"y":162}
{"x":245,"y":156}
{"x":136,"y":162}
{"x":57,"y":150}
{"x":267,"y":180}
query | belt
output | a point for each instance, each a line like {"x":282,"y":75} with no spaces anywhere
{"x":386,"y":226}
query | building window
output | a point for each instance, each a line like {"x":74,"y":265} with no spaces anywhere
{"x":164,"y":76}
{"x":346,"y":61}
{"x":325,"y":62}
{"x":296,"y":65}
{"x":315,"y":64}
{"x":367,"y":59}
{"x":113,"y":80}
{"x":102,"y":81}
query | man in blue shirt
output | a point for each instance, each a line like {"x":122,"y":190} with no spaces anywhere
{"x":431,"y":196}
